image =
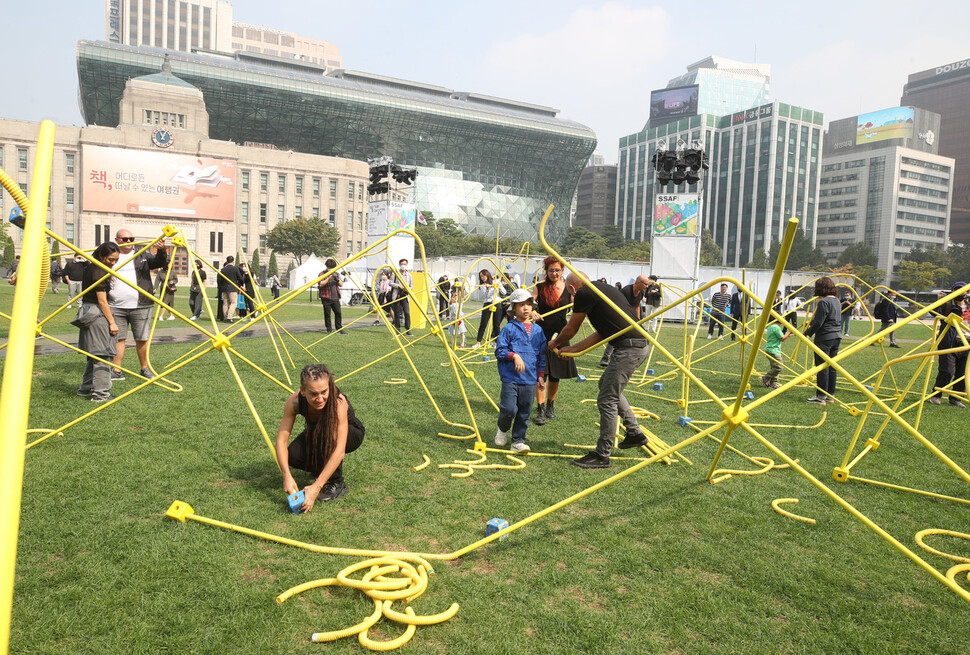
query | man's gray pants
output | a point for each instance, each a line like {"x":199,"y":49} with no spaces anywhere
{"x":628,"y":354}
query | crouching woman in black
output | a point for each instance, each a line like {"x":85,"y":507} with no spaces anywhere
{"x":332,"y":430}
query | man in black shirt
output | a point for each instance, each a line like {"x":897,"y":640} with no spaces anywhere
{"x":719,"y":303}
{"x":634,"y":295}
{"x":629,"y":351}
{"x":73,"y":275}
{"x":951,"y":365}
{"x":232,"y":279}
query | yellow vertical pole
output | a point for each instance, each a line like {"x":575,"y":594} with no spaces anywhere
{"x":17,"y":377}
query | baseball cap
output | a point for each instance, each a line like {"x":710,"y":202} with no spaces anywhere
{"x":520,"y":295}
{"x":958,"y":285}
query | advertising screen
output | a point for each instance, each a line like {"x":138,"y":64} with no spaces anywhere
{"x":892,"y":123}
{"x":673,"y":103}
{"x":675,"y":214}
{"x":123,"y":181}
{"x":379,"y":222}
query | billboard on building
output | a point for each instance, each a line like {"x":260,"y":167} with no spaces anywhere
{"x":673,"y":103}
{"x":121,"y":181}
{"x":892,"y":123}
{"x":382,"y":219}
{"x":675,"y":214}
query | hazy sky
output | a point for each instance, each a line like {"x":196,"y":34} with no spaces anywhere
{"x":594,"y":61}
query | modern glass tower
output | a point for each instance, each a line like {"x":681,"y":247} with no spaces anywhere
{"x":764,"y":168}
{"x":493,"y":165}
{"x":725,"y":85}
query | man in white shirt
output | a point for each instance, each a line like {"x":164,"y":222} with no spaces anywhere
{"x":128,"y":306}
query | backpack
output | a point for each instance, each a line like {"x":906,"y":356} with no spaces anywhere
{"x":879,"y":311}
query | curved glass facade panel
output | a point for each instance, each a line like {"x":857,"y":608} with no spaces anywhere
{"x":489,"y":166}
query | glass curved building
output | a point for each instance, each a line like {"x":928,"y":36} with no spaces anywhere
{"x":492,"y":165}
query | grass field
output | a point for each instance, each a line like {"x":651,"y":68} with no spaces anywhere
{"x":660,"y":562}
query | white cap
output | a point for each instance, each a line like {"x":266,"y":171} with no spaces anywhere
{"x":520,"y":295}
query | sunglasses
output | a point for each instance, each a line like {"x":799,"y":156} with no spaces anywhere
{"x":125,"y":239}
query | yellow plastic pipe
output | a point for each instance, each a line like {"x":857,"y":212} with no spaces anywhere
{"x":17,"y":377}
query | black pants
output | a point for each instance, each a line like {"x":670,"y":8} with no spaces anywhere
{"x":826,"y":378}
{"x":951,"y":365}
{"x":792,"y":318}
{"x":195,"y":303}
{"x":329,"y":305}
{"x":496,"y":318}
{"x":298,"y":455}
{"x":402,"y":308}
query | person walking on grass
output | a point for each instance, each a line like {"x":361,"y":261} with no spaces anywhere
{"x":328,"y":290}
{"x":826,"y":327}
{"x":196,"y":290}
{"x":332,"y":431}
{"x":847,"y":303}
{"x":951,"y":365}
{"x":520,"y":351}
{"x":97,"y":326}
{"x":719,"y":304}
{"x":550,"y":295}
{"x":629,"y":351}
{"x":773,"y":340}
{"x":129,"y":307}
{"x":885,"y":311}
{"x":168,"y":297}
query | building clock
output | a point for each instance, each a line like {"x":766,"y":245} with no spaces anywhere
{"x":162,"y":138}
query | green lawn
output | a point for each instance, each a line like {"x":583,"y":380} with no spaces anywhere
{"x":660,"y":562}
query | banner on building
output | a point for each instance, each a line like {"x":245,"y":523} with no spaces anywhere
{"x":675,"y":214}
{"x":383,"y":219}
{"x":121,"y":181}
{"x":892,"y":123}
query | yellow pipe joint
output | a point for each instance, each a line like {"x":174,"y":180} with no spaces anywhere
{"x":734,"y":418}
{"x":179,"y":510}
{"x":220,"y":342}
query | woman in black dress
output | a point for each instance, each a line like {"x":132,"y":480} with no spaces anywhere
{"x":550,"y":295}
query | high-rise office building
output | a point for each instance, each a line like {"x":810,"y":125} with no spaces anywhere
{"x":208,"y":26}
{"x":724,"y":86}
{"x":764,"y":158}
{"x":884,"y":184}
{"x":945,"y":90}
{"x":596,"y":198}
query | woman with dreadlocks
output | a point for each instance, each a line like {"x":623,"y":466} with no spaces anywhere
{"x":332,"y":430}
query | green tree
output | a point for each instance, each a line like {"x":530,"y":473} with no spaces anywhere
{"x":303,"y":236}
{"x":254,"y":265}
{"x":8,"y":252}
{"x":614,"y":237}
{"x":858,"y":254}
{"x":632,"y":251}
{"x":921,"y":276}
{"x":958,"y":261}
{"x":802,"y":257}
{"x":759,"y":259}
{"x":870,"y":275}
{"x":580,"y":240}
{"x":274,"y":268}
{"x":55,"y":251}
{"x":711,"y":253}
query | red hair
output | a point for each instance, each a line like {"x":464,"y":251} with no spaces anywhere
{"x":547,"y":291}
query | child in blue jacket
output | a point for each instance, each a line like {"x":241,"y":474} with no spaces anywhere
{"x":521,"y":354}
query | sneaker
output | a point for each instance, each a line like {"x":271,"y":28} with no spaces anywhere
{"x":710,"y":336}
{"x":84,"y":394}
{"x":892,"y":345}
{"x":477,"y":345}
{"x":956,"y":402}
{"x":147,"y":372}
{"x":409,"y":333}
{"x":117,"y":375}
{"x":170,"y":318}
{"x":592,"y":460}
{"x":540,"y":418}
{"x":776,"y":386}
{"x":501,"y":438}
{"x":520,"y":447}
{"x":333,"y":491}
{"x":604,"y":363}
{"x":377,"y":322}
{"x":632,"y":441}
{"x":935,"y":400}
{"x":764,"y":381}
{"x":103,"y":399}
{"x":816,"y":400}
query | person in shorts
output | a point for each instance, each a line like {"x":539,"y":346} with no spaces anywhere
{"x":128,"y":306}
